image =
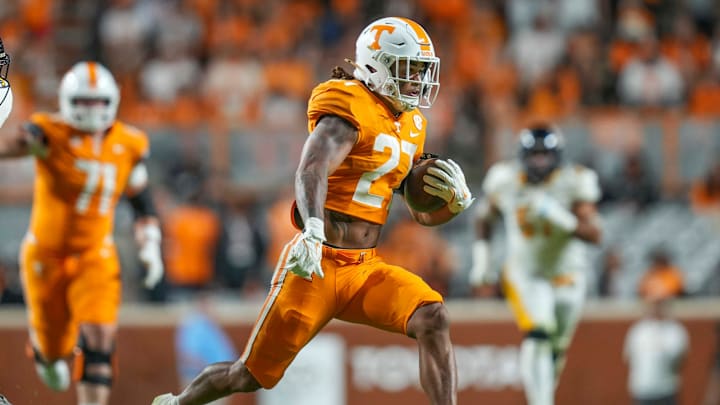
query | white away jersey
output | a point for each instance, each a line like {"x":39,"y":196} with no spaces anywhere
{"x":535,"y":245}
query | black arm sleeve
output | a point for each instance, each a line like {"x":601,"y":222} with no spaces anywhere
{"x":142,"y":204}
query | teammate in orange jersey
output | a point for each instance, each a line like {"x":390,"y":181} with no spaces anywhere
{"x":85,"y":160}
{"x":365,"y":133}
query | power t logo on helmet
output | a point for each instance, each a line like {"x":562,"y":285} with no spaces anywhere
{"x":392,"y":52}
{"x":379,"y":29}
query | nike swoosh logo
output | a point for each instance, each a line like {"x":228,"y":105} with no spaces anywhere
{"x":414,"y":134}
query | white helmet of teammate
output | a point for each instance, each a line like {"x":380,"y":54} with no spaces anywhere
{"x":379,"y":49}
{"x":89,"y":80}
{"x":6,"y":96}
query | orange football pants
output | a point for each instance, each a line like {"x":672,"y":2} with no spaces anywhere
{"x":358,"y":287}
{"x":62,"y":291}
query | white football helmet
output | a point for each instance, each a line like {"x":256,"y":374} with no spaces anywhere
{"x":378,"y":51}
{"x":6,"y":96}
{"x":89,"y":80}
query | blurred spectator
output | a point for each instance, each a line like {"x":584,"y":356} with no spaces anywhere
{"x":123,"y":32}
{"x":655,"y":348}
{"x":200,"y":341}
{"x":191,"y":231}
{"x":649,"y":79}
{"x":686,"y":48}
{"x":234,"y":83}
{"x":704,"y":98}
{"x":537,"y":50}
{"x":634,"y":185}
{"x":662,"y":278}
{"x":177,"y":26}
{"x":578,"y":14}
{"x":570,"y":14}
{"x":632,"y":23}
{"x":633,"y":20}
{"x":173,"y":69}
{"x":610,"y":277}
{"x":10,"y":290}
{"x":242,"y":246}
{"x":705,"y":192}
{"x":585,"y":56}
{"x":280,"y":230}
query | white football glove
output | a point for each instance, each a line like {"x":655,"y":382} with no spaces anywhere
{"x":480,"y":264}
{"x":6,"y":101}
{"x":448,"y":182}
{"x":543,"y":205}
{"x":150,"y":254}
{"x":6,"y":95}
{"x":305,"y":256}
{"x":166,"y":399}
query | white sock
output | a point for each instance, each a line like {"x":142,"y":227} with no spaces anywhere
{"x":55,"y":375}
{"x":537,"y":369}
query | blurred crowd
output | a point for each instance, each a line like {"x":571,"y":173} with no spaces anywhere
{"x":218,"y":69}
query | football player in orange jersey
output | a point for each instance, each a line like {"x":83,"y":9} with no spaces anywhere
{"x":85,"y":160}
{"x":366,"y":132}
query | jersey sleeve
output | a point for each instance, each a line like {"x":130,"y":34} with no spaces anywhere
{"x":587,"y":186}
{"x":43,"y":127}
{"x":143,"y":148}
{"x":140,"y":142}
{"x":332,"y":98}
{"x":498,"y":175}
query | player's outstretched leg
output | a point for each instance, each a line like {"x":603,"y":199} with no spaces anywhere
{"x":430,"y":325}
{"x":536,"y":367}
{"x":216,"y":381}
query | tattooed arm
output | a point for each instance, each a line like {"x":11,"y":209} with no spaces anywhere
{"x":324,"y":151}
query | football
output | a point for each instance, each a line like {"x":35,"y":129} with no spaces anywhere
{"x":415,"y":196}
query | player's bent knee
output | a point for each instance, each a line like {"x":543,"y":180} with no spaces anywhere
{"x":93,"y":366}
{"x":539,"y":334}
{"x":431,"y":318}
{"x":241,"y":379}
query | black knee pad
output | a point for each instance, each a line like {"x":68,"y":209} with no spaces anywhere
{"x":85,"y":357}
{"x":538,"y":334}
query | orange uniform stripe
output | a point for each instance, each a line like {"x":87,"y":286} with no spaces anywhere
{"x":522,"y":315}
{"x":277,"y":283}
{"x":92,"y":70}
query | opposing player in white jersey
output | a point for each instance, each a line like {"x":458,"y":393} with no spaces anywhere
{"x":549,"y":212}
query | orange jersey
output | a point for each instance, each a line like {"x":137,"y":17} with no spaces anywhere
{"x":79,"y":182}
{"x":384,"y":153}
